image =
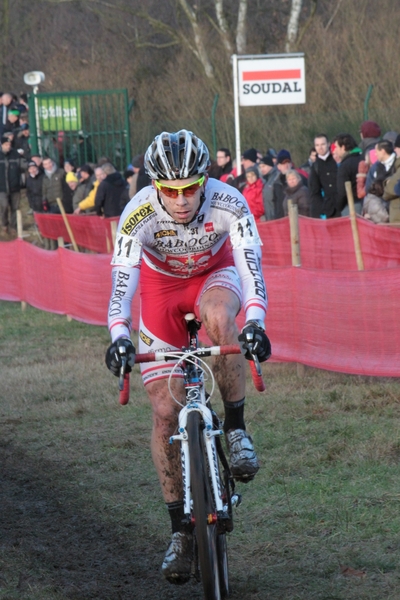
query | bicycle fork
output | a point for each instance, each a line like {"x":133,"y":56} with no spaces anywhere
{"x":209,"y":435}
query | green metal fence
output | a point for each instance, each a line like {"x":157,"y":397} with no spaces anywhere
{"x":82,"y":126}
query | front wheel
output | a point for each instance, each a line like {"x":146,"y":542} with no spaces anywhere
{"x":203,"y":509}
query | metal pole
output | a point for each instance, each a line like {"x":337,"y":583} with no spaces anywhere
{"x":236,"y":110}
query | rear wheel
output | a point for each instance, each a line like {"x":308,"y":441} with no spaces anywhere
{"x":203,"y":509}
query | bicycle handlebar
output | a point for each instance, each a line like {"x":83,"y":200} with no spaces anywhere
{"x":201,"y":352}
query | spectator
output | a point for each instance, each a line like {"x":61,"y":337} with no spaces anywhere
{"x":252,"y":191}
{"x":370,"y":134}
{"x":222,"y":168}
{"x":112,"y":194}
{"x":88,"y":203}
{"x":36,"y":158}
{"x":12,"y":123}
{"x":269,"y":175}
{"x":297,"y":192}
{"x":53,"y":182}
{"x":143,"y":180}
{"x":70,"y":187}
{"x":6,"y":102}
{"x":322,"y":181}
{"x":129,"y":175}
{"x":374,"y":207}
{"x":69,"y":165}
{"x":285,"y":164}
{"x":388,"y":158}
{"x":86,"y":181}
{"x":312,"y":156}
{"x":349,"y":155}
{"x":22,"y":145}
{"x":397,"y":146}
{"x":85,"y":152}
{"x":249,"y":159}
{"x":137,"y":163}
{"x":34,"y":187}
{"x":11,"y":169}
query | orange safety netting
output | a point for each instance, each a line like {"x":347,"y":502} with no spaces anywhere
{"x":91,"y":232}
{"x":345,"y":321}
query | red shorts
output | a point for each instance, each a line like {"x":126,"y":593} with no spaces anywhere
{"x":164,"y":302}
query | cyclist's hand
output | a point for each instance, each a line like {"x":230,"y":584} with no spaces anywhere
{"x":113,"y":356}
{"x":254,"y":340}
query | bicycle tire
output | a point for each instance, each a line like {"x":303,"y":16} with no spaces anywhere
{"x":203,"y":505}
{"x":222,"y":555}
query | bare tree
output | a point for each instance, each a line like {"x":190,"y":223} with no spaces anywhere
{"x":241,"y":28}
{"x":293,"y":25}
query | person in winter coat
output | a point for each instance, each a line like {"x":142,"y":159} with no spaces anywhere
{"x":322,"y":181}
{"x":112,"y":194}
{"x":370,"y":134}
{"x":374,"y":207}
{"x":349,"y":155}
{"x":252,"y":191}
{"x":34,"y":186}
{"x":11,"y":169}
{"x":53,"y":185}
{"x":298,"y":193}
{"x":269,"y":174}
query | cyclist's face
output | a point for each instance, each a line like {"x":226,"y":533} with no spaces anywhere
{"x":182,"y":208}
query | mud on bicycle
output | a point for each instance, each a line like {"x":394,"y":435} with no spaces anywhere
{"x":209,"y":492}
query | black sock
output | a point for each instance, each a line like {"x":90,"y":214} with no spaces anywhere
{"x":234,"y":415}
{"x":176,"y":513}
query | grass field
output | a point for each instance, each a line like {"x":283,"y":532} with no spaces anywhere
{"x":81,"y":515}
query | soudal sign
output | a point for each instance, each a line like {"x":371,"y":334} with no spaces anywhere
{"x":271,"y":81}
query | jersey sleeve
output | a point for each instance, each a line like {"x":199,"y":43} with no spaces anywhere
{"x":246,"y":248}
{"x":126,"y":263}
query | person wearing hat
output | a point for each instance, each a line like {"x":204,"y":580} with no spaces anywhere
{"x":12,"y":120}
{"x":249,"y":159}
{"x":22,"y":145}
{"x":86,"y":180}
{"x":88,"y":203}
{"x":284,"y":164}
{"x":269,"y":174}
{"x":370,"y":134}
{"x":252,"y":191}
{"x":34,"y":185}
{"x":11,"y":169}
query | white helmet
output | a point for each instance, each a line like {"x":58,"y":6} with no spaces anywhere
{"x":176,"y":156}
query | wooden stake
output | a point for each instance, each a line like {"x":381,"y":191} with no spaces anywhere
{"x":20,"y":230}
{"x":61,"y":244}
{"x":354,"y":227}
{"x":294,"y":233}
{"x":67,"y":225}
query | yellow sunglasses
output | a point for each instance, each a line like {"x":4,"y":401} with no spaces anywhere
{"x":187,"y":190}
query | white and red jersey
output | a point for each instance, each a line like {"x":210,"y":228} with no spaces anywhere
{"x":223,"y":229}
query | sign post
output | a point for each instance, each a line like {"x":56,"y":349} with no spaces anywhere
{"x":266,"y":80}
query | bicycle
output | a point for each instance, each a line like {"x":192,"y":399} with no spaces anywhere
{"x":208,"y":485}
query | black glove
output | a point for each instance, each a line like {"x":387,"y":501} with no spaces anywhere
{"x":254,"y":340}
{"x":113,"y":356}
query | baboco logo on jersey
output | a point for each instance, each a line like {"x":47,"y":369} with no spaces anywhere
{"x":136,"y":217}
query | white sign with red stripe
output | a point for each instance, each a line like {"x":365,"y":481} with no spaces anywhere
{"x":268,"y":81}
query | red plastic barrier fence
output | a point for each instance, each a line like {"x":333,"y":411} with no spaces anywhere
{"x":324,"y":244}
{"x":91,"y":232}
{"x":328,"y":244}
{"x":345,"y":321}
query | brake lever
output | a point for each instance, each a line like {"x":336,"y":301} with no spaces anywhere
{"x":257,"y":364}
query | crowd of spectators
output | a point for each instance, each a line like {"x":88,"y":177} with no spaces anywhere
{"x":317,"y":187}
{"x":267,"y":180}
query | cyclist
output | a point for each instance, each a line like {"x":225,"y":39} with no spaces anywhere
{"x":194,"y":244}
